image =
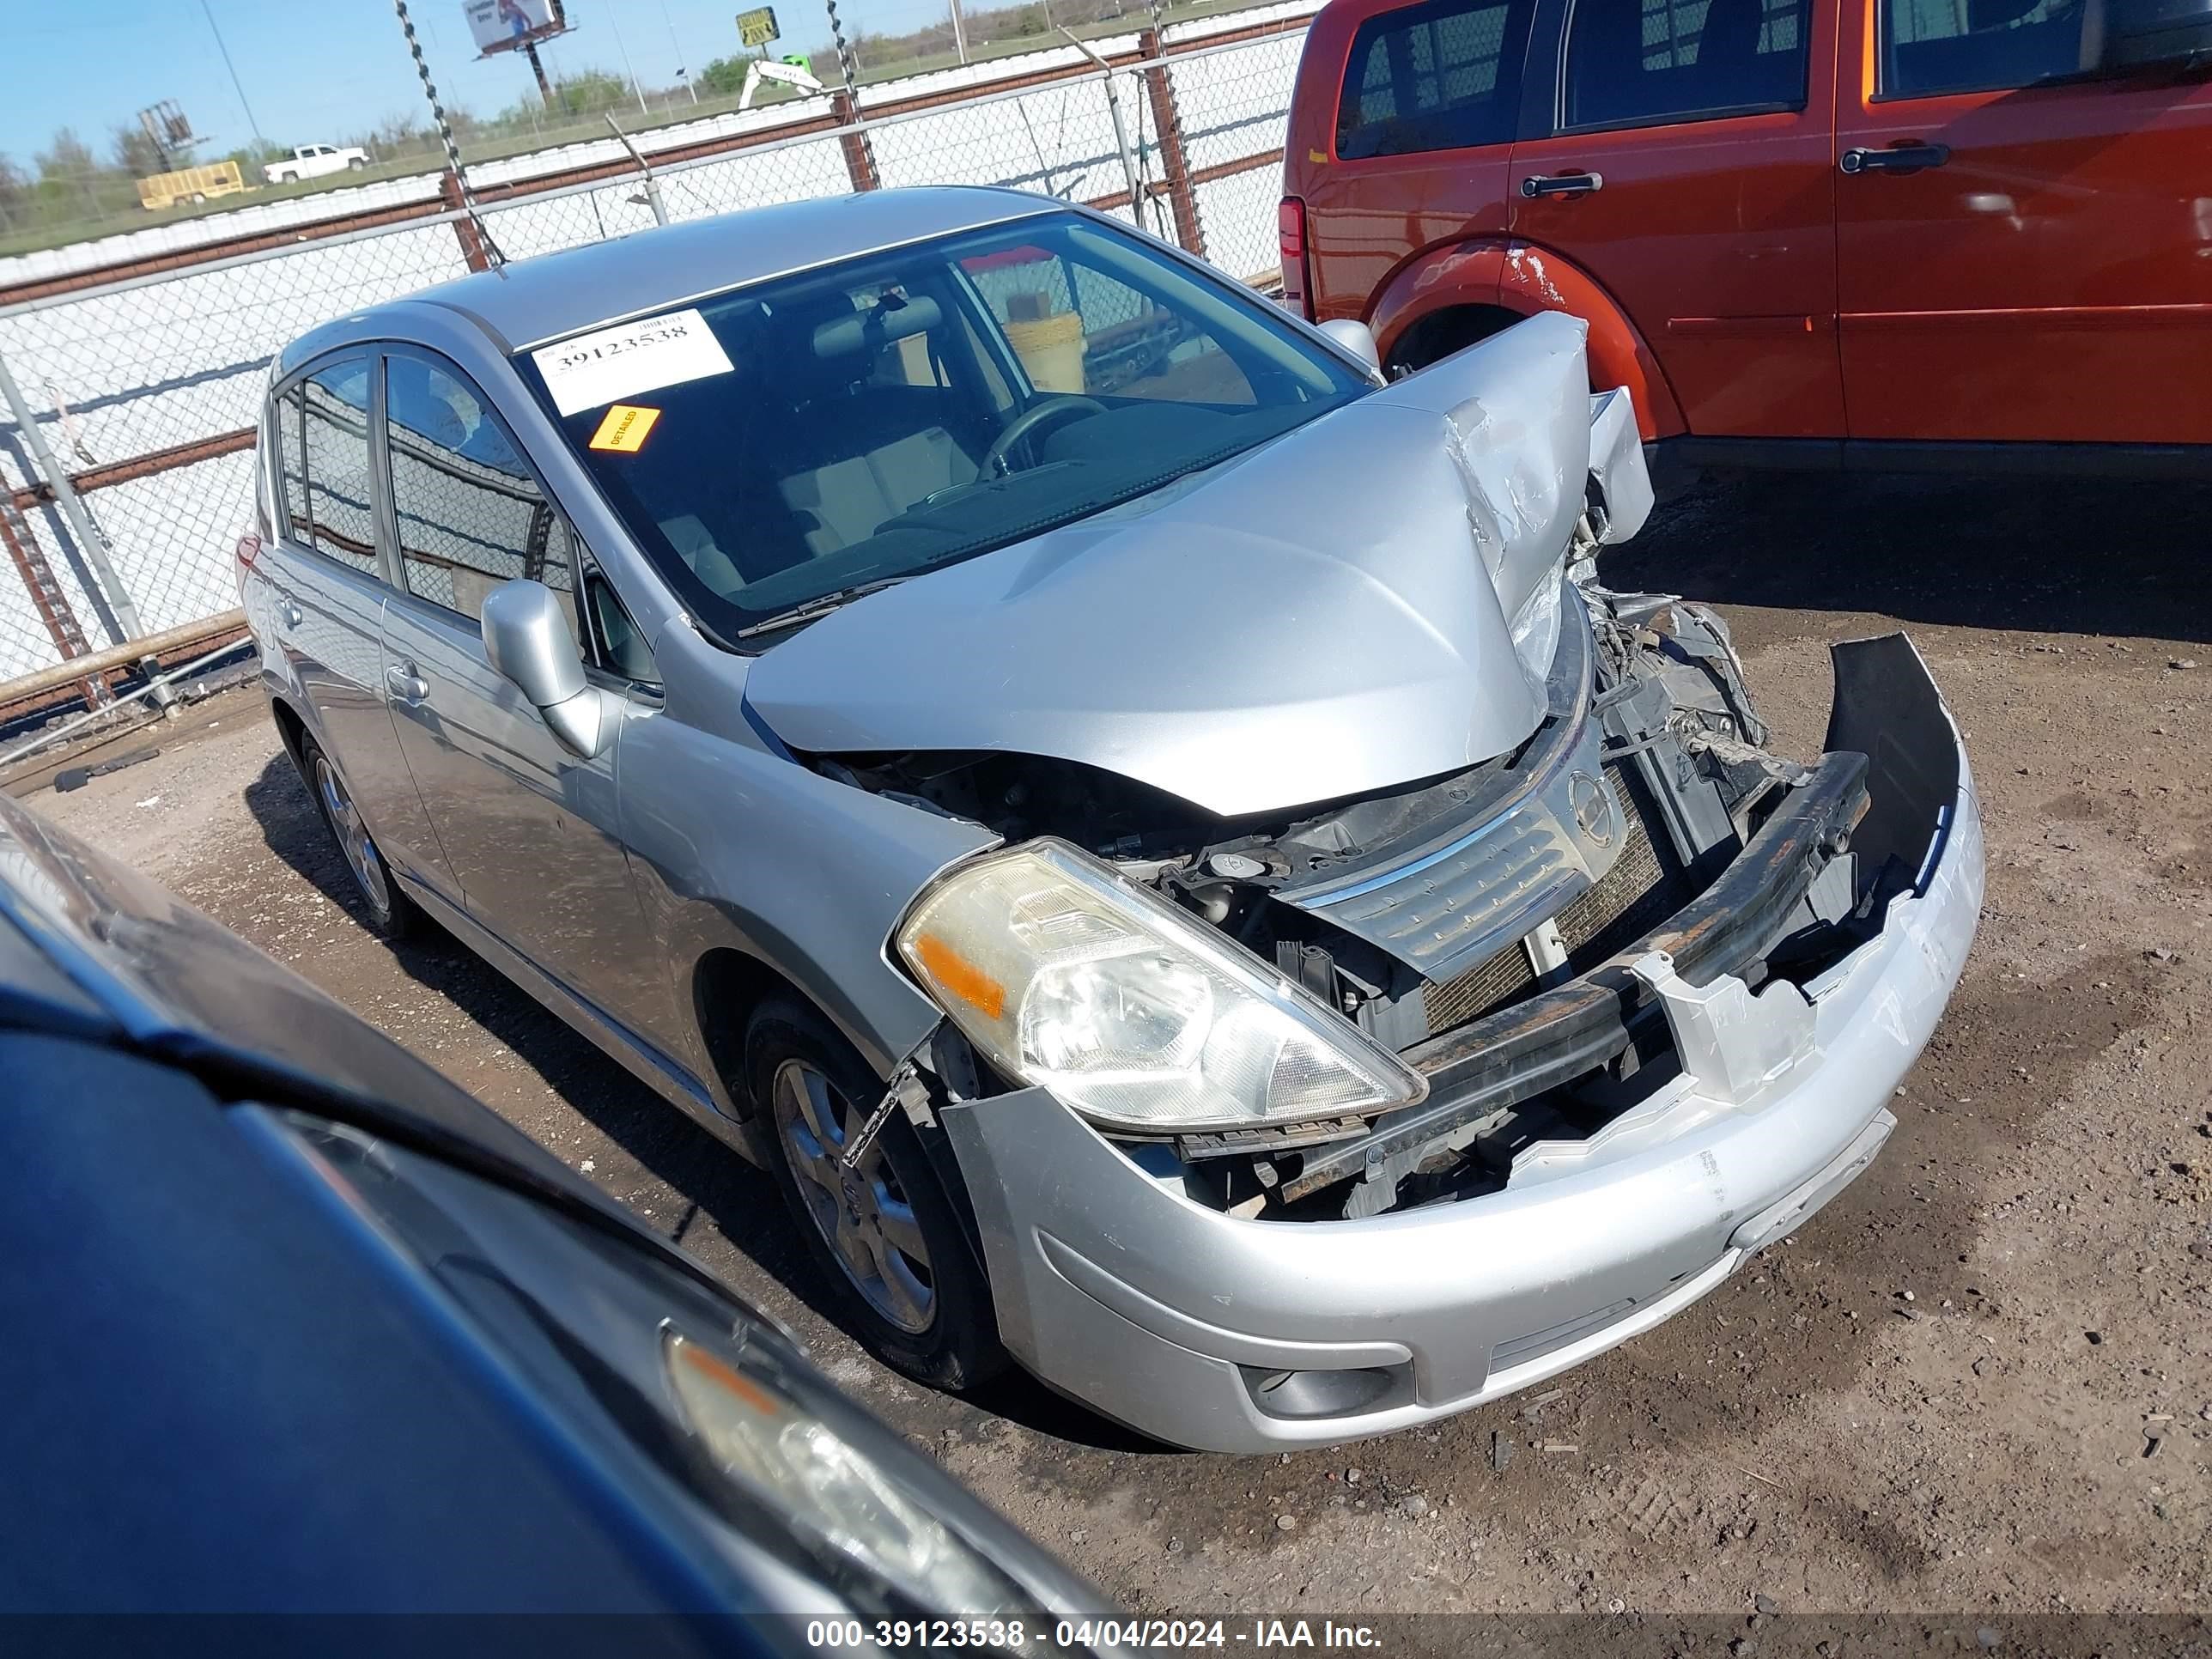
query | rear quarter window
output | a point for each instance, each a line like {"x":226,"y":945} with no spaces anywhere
{"x":1445,"y":76}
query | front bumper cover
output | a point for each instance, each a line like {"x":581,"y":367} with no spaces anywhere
{"x":1236,"y":1335}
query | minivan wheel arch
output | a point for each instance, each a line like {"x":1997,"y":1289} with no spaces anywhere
{"x":1477,"y":281}
{"x":1439,"y":333}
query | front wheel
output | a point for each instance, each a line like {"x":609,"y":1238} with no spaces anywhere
{"x":884,"y":1232}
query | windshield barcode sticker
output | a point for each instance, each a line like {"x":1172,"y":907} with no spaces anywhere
{"x":596,"y":369}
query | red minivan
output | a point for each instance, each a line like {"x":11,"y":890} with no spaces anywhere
{"x":1887,"y":233}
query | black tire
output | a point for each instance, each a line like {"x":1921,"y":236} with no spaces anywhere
{"x":355,"y":165}
{"x":369,"y":883}
{"x":952,"y":1343}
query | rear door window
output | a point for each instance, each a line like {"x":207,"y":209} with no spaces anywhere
{"x":342,"y":520}
{"x":1645,"y":63}
{"x":1445,"y":76}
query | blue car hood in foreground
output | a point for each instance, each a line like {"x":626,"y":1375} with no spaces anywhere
{"x":1325,"y":616}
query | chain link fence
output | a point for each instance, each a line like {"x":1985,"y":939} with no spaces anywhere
{"x":126,"y":438}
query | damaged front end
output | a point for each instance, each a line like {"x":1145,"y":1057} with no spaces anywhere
{"x":1286,"y":1125}
{"x":1542,"y":955}
{"x":1551,"y":941}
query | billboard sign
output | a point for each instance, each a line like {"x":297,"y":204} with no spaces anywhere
{"x":505,"y":25}
{"x":757,"y":27}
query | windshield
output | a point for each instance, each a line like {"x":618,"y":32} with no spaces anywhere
{"x":779,"y":447}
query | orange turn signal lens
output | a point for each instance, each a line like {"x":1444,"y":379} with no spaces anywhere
{"x":956,"y":976}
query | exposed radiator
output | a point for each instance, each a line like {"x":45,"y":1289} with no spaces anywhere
{"x":1643,"y":888}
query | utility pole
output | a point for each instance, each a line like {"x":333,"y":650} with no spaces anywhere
{"x":623,"y":46}
{"x":682,"y":70}
{"x":959,"y":33}
{"x":237,"y":85}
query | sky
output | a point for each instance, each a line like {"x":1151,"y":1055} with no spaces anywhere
{"x":315,"y":70}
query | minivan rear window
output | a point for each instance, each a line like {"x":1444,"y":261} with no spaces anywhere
{"x":1445,"y":76}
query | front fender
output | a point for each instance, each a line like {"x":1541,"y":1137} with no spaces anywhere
{"x":736,"y":846}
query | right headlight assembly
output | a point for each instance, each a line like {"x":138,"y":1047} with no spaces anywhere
{"x":1133,"y":1013}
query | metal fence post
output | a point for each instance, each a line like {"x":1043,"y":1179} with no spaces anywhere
{"x":1140,"y":197}
{"x":860,"y":151}
{"x":47,"y":598}
{"x":1167,"y":122}
{"x":73,"y":509}
{"x":474,"y":254}
{"x":860,"y":154}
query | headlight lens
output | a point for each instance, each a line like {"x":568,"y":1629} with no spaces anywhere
{"x":807,"y":1472}
{"x":1134,"y":1013}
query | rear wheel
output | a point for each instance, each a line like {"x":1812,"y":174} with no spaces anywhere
{"x":355,"y":164}
{"x":390,"y":913}
{"x":884,"y":1232}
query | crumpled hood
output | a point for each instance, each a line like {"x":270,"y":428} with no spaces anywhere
{"x":1325,"y":617}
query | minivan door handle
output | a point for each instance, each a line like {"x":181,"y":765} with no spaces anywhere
{"x":1910,"y":156}
{"x":1562,"y":183}
{"x":406,"y":683}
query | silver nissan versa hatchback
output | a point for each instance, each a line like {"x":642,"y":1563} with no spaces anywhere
{"x":1162,"y":842}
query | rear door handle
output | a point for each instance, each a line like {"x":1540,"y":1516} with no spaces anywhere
{"x":292,"y":617}
{"x":1910,"y":156}
{"x":405,"y":684}
{"x":1562,"y":183}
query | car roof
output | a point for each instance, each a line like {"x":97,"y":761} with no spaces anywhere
{"x":545,"y":297}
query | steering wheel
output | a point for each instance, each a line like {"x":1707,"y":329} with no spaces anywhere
{"x":1047,"y":409}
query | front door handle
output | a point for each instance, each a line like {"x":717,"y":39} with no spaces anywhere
{"x":1562,"y":183}
{"x":292,"y":617}
{"x":1910,"y":156}
{"x":405,"y":684}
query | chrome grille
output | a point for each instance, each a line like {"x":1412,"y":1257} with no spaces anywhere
{"x":1641,"y":890}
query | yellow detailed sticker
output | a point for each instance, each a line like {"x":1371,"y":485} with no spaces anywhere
{"x":1314,"y":155}
{"x":624,"y":429}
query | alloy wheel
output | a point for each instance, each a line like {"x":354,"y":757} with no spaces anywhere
{"x":862,"y":1212}
{"x":353,"y":840}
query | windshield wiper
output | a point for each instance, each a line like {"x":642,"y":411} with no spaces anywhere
{"x":818,"y":607}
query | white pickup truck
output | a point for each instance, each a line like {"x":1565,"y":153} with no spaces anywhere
{"x":312,"y":161}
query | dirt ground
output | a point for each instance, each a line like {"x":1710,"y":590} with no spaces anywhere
{"x":1982,"y":1379}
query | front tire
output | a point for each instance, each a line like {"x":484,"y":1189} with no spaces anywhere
{"x":884,"y":1234}
{"x":390,"y":913}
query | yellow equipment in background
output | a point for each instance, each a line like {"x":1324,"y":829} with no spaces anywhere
{"x":191,"y":185}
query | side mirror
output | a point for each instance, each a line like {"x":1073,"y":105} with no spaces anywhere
{"x":1357,"y":338}
{"x":2142,"y":32}
{"x":527,"y":637}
